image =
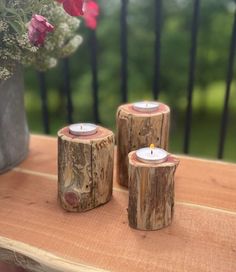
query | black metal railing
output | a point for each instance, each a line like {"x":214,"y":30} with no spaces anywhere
{"x":157,"y":49}
{"x":67,"y":90}
{"x":229,"y":76}
{"x":44,"y":101}
{"x":156,"y":79}
{"x":124,"y":51}
{"x":191,"y":77}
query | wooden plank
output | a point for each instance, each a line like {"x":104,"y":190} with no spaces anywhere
{"x":10,"y":268}
{"x":35,"y":260}
{"x":206,"y":183}
{"x":199,"y":239}
{"x":203,"y":182}
{"x":43,"y":155}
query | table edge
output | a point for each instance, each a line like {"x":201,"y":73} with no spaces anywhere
{"x":38,"y":260}
{"x":216,"y":161}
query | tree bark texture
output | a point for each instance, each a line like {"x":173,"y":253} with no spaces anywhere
{"x":137,"y":130}
{"x":151,"y":193}
{"x":85,"y":169}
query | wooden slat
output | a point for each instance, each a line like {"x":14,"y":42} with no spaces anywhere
{"x":37,"y":234}
{"x":199,"y":239}
{"x":206,"y":183}
{"x":10,"y":268}
{"x":35,"y":260}
{"x":201,"y":182}
{"x":42,"y":155}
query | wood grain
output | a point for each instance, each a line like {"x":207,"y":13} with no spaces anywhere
{"x":151,"y":193}
{"x":215,"y":187}
{"x":198,"y":240}
{"x":85,"y":169}
{"x":136,"y":130}
{"x":35,"y":260}
{"x":4,"y":267}
{"x":202,"y":236}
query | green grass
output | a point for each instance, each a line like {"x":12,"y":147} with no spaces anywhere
{"x":207,"y":109}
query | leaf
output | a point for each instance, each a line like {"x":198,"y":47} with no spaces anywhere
{"x":14,"y":26}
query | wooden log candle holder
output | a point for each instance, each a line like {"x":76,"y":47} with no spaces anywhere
{"x":85,"y":169}
{"x":136,"y":129}
{"x":151,"y":193}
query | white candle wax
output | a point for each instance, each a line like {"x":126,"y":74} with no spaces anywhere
{"x":146,"y":106}
{"x":151,"y":155}
{"x":83,"y":129}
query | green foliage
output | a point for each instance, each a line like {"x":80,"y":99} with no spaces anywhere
{"x":216,"y":20}
{"x":15,"y":46}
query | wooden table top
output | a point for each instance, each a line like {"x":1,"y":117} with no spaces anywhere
{"x":37,"y":234}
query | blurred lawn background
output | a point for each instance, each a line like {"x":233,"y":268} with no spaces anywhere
{"x":216,"y":20}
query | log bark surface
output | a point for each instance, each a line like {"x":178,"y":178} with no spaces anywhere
{"x":151,"y":193}
{"x":136,"y":130}
{"x":85,"y":169}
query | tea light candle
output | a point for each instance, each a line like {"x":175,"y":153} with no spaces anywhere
{"x":146,"y":106}
{"x":151,"y":154}
{"x":85,"y":167}
{"x":136,"y":128}
{"x":83,"y":129}
{"x":151,"y":188}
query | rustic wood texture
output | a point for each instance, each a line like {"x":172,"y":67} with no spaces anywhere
{"x":35,"y":260}
{"x":4,"y":267}
{"x":202,"y":236}
{"x":151,"y":193}
{"x":190,"y":186}
{"x":85,"y":169}
{"x":136,"y":130}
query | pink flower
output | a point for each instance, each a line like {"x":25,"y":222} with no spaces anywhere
{"x":91,"y":12}
{"x":89,"y":9}
{"x":37,"y":29}
{"x":73,"y":7}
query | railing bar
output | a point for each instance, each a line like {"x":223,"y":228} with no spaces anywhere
{"x":44,"y":101}
{"x":191,"y":77}
{"x":95,"y":85}
{"x":67,"y":90}
{"x":229,"y":77}
{"x":157,"y":49}
{"x":124,"y":51}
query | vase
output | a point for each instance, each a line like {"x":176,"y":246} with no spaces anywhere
{"x":14,"y":133}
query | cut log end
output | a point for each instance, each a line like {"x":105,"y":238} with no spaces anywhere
{"x":136,"y":130}
{"x":151,"y":193}
{"x":85,"y":170}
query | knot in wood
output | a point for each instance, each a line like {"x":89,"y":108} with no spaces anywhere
{"x":72,"y":199}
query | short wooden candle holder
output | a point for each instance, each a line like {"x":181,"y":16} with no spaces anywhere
{"x":85,"y":169}
{"x":151,"y":193}
{"x":138,"y":129}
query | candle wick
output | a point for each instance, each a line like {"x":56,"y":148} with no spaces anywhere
{"x":152,"y":152}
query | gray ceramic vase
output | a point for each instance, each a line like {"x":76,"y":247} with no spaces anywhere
{"x":14,"y":133}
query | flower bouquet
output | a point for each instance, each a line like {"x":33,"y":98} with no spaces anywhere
{"x":38,"y":33}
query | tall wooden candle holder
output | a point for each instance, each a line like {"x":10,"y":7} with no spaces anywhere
{"x":85,"y":169}
{"x":136,"y":129}
{"x":151,"y":193}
